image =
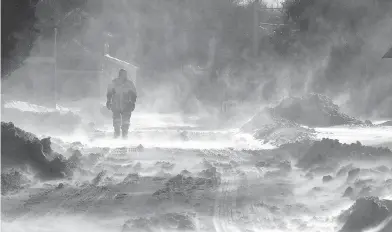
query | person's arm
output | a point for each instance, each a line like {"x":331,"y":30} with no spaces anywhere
{"x":133,"y":92}
{"x":110,"y":93}
{"x":133,"y":97}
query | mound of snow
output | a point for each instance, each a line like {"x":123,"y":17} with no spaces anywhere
{"x":329,"y":153}
{"x":277,"y":130}
{"x":313,"y":110}
{"x":366,"y":213}
{"x":20,"y":148}
{"x":277,"y":134}
{"x":282,"y":124}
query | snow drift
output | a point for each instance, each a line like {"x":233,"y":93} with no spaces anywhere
{"x":313,"y":110}
{"x":289,"y":121}
{"x":24,"y":150}
{"x":276,"y":130}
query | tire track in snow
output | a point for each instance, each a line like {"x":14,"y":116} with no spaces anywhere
{"x":226,"y":197}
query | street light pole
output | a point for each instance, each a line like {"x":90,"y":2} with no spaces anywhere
{"x":55,"y":51}
{"x":55,"y":67}
{"x":256,"y":24}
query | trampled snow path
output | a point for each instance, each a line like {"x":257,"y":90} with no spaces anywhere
{"x":230,"y":188}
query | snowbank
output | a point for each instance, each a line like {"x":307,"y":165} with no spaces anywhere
{"x":20,"y":149}
{"x":327,"y":154}
{"x":277,"y":130}
{"x":310,"y":110}
{"x":366,"y":213}
{"x":289,"y":121}
{"x":277,"y":134}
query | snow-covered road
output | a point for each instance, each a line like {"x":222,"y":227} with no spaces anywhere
{"x":190,"y":178}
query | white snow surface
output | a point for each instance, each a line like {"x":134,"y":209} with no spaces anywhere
{"x":271,"y":198}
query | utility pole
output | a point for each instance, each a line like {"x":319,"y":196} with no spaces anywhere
{"x":256,"y":22}
{"x":55,"y":68}
{"x":57,"y":24}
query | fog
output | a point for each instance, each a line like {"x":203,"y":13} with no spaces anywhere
{"x":200,"y":53}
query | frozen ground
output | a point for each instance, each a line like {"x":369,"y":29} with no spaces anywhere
{"x":191,"y":178}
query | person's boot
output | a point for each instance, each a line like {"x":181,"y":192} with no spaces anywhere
{"x":116,"y":132}
{"x":125,"y":129}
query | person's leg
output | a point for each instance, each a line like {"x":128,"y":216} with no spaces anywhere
{"x":126,"y":117}
{"x":116,"y":123}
